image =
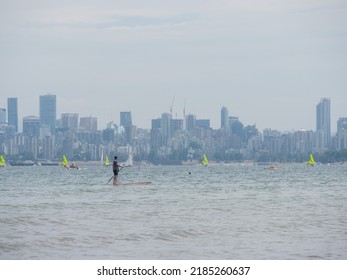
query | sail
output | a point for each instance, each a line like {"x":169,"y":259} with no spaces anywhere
{"x":311,"y":160}
{"x":204,"y":161}
{"x":102,"y":157}
{"x":129,"y":161}
{"x":2,"y":161}
{"x":64,"y":161}
{"x":107,"y":161}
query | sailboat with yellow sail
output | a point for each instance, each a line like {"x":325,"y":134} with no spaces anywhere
{"x":204,"y":161}
{"x":65,"y":162}
{"x":2,"y":161}
{"x":311,"y":161}
{"x":107,"y":161}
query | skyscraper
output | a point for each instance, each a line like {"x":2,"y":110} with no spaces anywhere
{"x":48,"y":111}
{"x":323,"y":120}
{"x":125,"y":119}
{"x":12,"y":111}
{"x":166,"y":128}
{"x":191,"y":122}
{"x":2,"y":116}
{"x":224,"y":118}
{"x":126,"y":122}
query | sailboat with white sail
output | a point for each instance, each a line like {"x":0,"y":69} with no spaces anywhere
{"x":129,"y":161}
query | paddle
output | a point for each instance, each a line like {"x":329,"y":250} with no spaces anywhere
{"x":118,"y":171}
{"x":110,"y":179}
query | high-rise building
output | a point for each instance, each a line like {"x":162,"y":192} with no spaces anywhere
{"x":342,"y":133}
{"x":12,"y":108}
{"x":323,"y":120}
{"x":191,"y":122}
{"x":155,"y":134}
{"x":126,"y":122}
{"x":342,"y":124}
{"x":31,"y":126}
{"x":156,"y":124}
{"x":2,"y":116}
{"x":89,"y":123}
{"x":224,"y":118}
{"x":203,"y":124}
{"x":176,"y":125}
{"x":48,"y":147}
{"x":125,"y":119}
{"x":69,"y":121}
{"x":48,"y":111}
{"x":166,"y":128}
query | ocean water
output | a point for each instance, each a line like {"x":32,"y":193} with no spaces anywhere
{"x":218,"y":212}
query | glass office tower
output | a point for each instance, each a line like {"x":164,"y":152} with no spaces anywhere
{"x":12,"y":112}
{"x":48,"y":111}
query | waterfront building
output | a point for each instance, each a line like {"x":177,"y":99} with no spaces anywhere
{"x":12,"y":108}
{"x":67,"y":148}
{"x":272,"y":140}
{"x":48,"y":147}
{"x":303,"y":141}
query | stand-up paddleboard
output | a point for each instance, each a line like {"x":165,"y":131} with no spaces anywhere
{"x":133,"y":183}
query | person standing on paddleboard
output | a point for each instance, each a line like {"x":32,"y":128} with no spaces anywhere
{"x":115,"y":170}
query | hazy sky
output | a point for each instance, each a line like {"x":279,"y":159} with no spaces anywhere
{"x":269,"y":62}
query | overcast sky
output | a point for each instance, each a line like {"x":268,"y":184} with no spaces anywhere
{"x":269,"y":62}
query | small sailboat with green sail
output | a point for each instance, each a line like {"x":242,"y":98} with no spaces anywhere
{"x":65,"y":162}
{"x":2,"y":161}
{"x":107,"y":161}
{"x":204,"y":161}
{"x":311,"y":161}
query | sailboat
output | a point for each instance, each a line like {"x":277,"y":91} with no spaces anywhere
{"x":2,"y":161}
{"x":204,"y":161}
{"x":65,"y":162}
{"x":311,"y":161}
{"x":107,"y":161}
{"x":129,"y":161}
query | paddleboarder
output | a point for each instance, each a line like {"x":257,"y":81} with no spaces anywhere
{"x":115,"y":170}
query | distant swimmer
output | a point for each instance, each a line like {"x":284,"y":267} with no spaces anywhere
{"x":190,"y":173}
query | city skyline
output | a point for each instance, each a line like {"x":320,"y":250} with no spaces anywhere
{"x":46,"y":137}
{"x":223,"y":112}
{"x":268,"y":63}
